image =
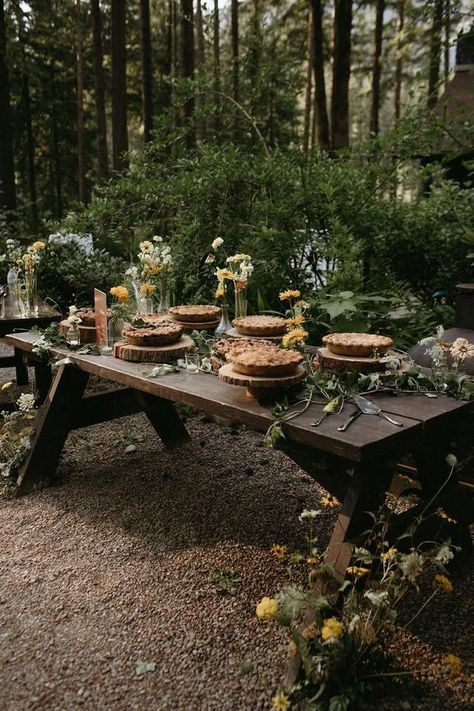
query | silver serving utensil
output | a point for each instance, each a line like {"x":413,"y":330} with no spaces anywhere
{"x":370,"y":408}
{"x":350,"y":420}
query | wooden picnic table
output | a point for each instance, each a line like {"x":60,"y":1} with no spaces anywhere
{"x":356,"y":466}
{"x":9,"y":323}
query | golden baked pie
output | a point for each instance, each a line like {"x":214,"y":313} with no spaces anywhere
{"x":357,"y":344}
{"x":267,"y":361}
{"x":161,"y":334}
{"x":196,"y":313}
{"x":227,"y":346}
{"x":260,"y":325}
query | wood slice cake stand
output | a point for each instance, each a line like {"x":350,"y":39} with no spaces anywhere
{"x":233,"y":333}
{"x":87,"y":334}
{"x":261,"y":388}
{"x":190,"y":326}
{"x":332,"y":361}
{"x":154,"y":354}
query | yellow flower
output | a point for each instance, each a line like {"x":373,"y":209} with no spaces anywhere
{"x":281,"y":702}
{"x":153,"y":268}
{"x":298,"y":335}
{"x":330,"y":502}
{"x":5,"y":386}
{"x":279,"y":551}
{"x":290,"y":294}
{"x":294,"y":321}
{"x":240,"y":284}
{"x":147,"y":289}
{"x":38,"y":246}
{"x":120,"y":293}
{"x":219,"y":293}
{"x":454,"y":663}
{"x":310,"y":632}
{"x":267,"y":608}
{"x":224,"y":274}
{"x":28,"y":261}
{"x":442,"y":514}
{"x":390,"y":554}
{"x":357,"y":572}
{"x":312,"y":560}
{"x":443,"y":582}
{"x":332,"y":629}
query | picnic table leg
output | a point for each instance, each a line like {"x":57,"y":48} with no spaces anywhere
{"x":20,"y":368}
{"x":163,"y":418}
{"x":54,"y":421}
{"x":43,"y":380}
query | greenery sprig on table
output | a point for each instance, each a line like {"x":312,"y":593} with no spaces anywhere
{"x":51,"y":337}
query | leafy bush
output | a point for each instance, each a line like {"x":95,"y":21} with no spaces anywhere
{"x":68,"y":276}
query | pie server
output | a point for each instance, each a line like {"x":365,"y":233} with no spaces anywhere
{"x":349,"y":420}
{"x":370,"y":408}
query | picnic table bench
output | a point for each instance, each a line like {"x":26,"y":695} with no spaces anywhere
{"x":357,"y":466}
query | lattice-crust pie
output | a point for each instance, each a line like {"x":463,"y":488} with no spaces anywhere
{"x":357,"y":344}
{"x":260,"y":325}
{"x":153,"y":335}
{"x":267,"y":362}
{"x":196,"y":313}
{"x":87,"y":316}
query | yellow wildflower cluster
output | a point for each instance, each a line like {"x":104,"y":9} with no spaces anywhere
{"x":332,"y":629}
{"x":279,"y":551}
{"x":295,"y":321}
{"x":444,"y":583}
{"x":281,"y":702}
{"x":454,"y":665}
{"x":289,"y":294}
{"x":356,"y":571}
{"x":120,"y":293}
{"x":390,"y":554}
{"x":267,"y":608}
{"x":294,"y":337}
{"x":38,"y":246}
{"x":330,"y":502}
{"x":223,"y":274}
{"x":147,"y":289}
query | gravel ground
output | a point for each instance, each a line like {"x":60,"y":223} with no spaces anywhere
{"x":113,"y":567}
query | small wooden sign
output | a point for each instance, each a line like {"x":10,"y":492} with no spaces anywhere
{"x":100,"y":306}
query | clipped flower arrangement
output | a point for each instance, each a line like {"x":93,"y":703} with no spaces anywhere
{"x":297,"y":308}
{"x":151,"y":275}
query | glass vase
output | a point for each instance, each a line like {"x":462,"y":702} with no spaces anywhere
{"x":115,"y":331}
{"x":31,"y":289}
{"x":144,"y":305}
{"x":224,"y":324}
{"x":13,"y":293}
{"x":164,"y":304}
{"x":73,"y":336}
{"x":240,"y":302}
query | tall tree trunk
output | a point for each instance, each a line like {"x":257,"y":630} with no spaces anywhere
{"x":377,"y":68}
{"x":147,"y":72}
{"x":341,"y":73}
{"x":119,"y":86}
{"x":81,"y":155}
{"x":234,"y":28}
{"x":56,"y":149}
{"x":399,"y":59}
{"x":217,"y":70}
{"x":435,"y":54}
{"x":309,"y":83}
{"x":187,"y":62}
{"x":320,"y":108}
{"x":201,"y":58}
{"x":30,"y":152}
{"x":7,"y":171}
{"x":99,"y":90}
{"x":447,"y":33}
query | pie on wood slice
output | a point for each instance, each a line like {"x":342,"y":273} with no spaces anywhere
{"x":228,"y":346}
{"x":195,"y":313}
{"x":260,"y":325}
{"x":161,"y":334}
{"x":357,"y":344}
{"x":87,"y":316}
{"x":267,"y":362}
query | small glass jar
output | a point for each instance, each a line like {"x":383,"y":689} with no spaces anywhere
{"x":73,"y":336}
{"x":224,"y":324}
{"x":193,"y":362}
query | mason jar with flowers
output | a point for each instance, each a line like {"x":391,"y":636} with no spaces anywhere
{"x":241,"y":273}
{"x":152,"y":275}
{"x":27,"y":284}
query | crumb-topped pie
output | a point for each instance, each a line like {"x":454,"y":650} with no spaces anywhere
{"x":260,"y":325}
{"x":162,"y":334}
{"x":267,"y":362}
{"x":228,"y":346}
{"x":357,"y":344}
{"x":196,"y":313}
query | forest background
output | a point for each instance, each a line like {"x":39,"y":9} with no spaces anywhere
{"x":310,"y":134}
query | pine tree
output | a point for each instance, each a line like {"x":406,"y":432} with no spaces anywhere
{"x":341,"y":73}
{"x":7,"y":173}
{"x":119,"y":86}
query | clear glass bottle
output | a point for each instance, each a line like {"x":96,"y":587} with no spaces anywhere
{"x":240,"y":302}
{"x":13,"y":301}
{"x":164,"y":304}
{"x":224,"y":324}
{"x":73,"y":336}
